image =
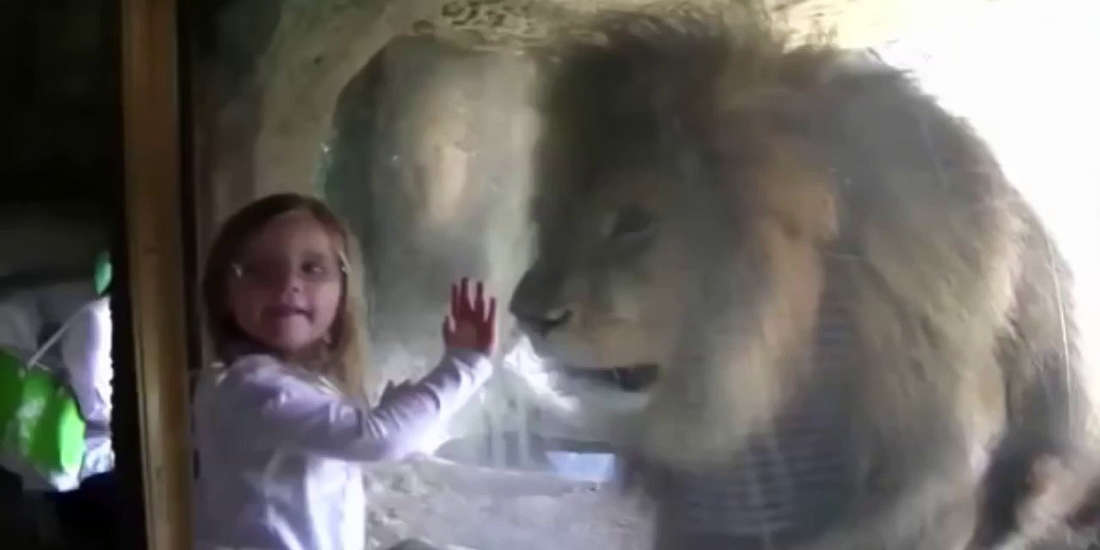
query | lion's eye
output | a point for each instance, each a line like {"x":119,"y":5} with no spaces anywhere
{"x":631,"y":221}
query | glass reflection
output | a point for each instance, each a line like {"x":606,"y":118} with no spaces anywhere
{"x":760,"y":296}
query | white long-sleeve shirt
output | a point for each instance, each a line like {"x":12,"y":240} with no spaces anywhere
{"x":280,"y":449}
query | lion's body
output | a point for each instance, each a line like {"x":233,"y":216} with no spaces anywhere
{"x":710,"y":206}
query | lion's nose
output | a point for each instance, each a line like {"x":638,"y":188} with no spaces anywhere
{"x":542,"y":324}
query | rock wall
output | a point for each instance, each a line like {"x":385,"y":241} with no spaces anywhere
{"x":429,"y":161}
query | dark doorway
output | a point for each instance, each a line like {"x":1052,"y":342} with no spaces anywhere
{"x":61,"y":205}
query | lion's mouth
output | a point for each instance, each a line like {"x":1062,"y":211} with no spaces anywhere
{"x":634,"y":378}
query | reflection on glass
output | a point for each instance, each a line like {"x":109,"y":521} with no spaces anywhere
{"x":761,"y":294}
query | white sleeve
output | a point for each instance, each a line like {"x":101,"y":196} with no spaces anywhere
{"x":86,"y":353}
{"x":273,"y":408}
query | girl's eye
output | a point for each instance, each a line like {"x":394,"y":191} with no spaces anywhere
{"x":314,"y":270}
{"x":271,"y":271}
{"x":258,"y":270}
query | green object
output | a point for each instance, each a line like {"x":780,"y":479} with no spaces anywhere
{"x":39,"y":418}
{"x":103,"y":272}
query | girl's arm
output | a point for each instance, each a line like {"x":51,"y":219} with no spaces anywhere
{"x":281,"y":410}
{"x":276,"y":409}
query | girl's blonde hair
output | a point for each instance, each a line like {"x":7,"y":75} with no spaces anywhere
{"x":344,"y":357}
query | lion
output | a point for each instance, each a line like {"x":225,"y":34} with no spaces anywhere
{"x":834,"y":322}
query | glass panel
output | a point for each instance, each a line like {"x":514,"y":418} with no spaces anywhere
{"x":779,"y":274}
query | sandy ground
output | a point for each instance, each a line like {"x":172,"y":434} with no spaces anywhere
{"x":455,"y":506}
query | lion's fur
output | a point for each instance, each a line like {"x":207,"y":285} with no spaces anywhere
{"x":781,"y":172}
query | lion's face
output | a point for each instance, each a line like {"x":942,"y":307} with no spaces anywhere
{"x":615,"y":273}
{"x":600,"y":296}
{"x":661,"y":289}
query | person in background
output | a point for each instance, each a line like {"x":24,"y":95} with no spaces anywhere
{"x":282,"y":423}
{"x":62,"y":321}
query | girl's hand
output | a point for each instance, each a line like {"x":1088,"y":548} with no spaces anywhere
{"x":471,"y":324}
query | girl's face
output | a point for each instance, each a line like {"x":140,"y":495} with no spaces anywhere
{"x":286,"y":286}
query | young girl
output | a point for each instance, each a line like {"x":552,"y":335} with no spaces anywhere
{"x":281,"y":421}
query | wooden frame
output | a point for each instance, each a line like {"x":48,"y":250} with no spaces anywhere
{"x":154,"y":243}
